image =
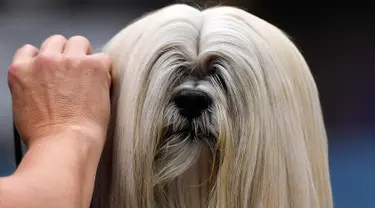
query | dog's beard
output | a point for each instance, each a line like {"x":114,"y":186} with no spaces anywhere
{"x":182,"y":143}
{"x":187,"y":158}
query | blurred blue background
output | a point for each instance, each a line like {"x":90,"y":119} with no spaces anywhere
{"x":337,"y":43}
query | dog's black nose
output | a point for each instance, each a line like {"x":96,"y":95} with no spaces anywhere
{"x":191,"y":103}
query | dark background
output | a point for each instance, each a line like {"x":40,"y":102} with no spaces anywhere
{"x":335,"y":38}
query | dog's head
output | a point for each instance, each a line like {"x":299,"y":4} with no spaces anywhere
{"x":214,"y":108}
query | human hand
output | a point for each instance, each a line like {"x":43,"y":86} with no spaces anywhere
{"x":61,"y":87}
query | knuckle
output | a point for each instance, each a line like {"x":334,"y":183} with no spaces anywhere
{"x":27,"y":47}
{"x":14,"y":72}
{"x":47,"y":59}
{"x":79,"y":38}
{"x":101,"y":60}
{"x":96,"y":65}
{"x":91,"y":65}
{"x":72,"y":61}
{"x":14,"y":68}
{"x":104,"y":56}
{"x":58,"y":37}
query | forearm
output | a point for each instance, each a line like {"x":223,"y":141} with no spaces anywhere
{"x":57,"y":171}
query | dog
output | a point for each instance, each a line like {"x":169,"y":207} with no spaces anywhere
{"x":211,"y":108}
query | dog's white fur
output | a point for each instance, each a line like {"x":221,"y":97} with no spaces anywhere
{"x":268,"y":146}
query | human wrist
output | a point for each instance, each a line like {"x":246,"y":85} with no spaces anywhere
{"x":90,"y":134}
{"x":72,"y":151}
{"x":73,"y":144}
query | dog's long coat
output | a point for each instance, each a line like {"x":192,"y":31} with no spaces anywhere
{"x":260,"y":144}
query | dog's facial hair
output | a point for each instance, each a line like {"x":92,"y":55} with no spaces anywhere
{"x":240,"y":152}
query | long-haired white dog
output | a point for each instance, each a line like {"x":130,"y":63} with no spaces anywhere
{"x":214,"y":108}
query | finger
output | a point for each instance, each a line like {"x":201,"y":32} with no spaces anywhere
{"x":53,"y":45}
{"x":26,"y":52}
{"x":78,"y":45}
{"x":104,"y":61}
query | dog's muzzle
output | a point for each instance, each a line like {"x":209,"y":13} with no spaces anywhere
{"x":191,"y":102}
{"x":191,"y":112}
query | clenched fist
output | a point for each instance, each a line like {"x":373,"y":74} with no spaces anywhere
{"x":60,"y":87}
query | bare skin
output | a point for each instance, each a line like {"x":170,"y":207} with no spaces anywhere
{"x":61,"y":106}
